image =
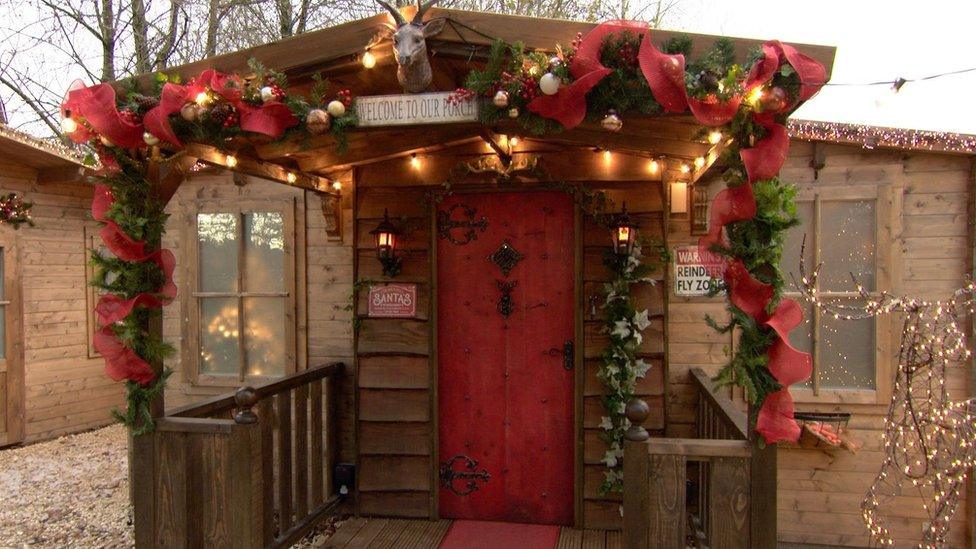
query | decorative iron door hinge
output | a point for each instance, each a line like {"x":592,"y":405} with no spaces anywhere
{"x":446,"y":224}
{"x":470,"y":477}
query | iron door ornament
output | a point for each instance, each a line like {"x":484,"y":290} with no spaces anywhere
{"x":469,"y":475}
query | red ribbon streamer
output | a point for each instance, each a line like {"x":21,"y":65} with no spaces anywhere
{"x":171,"y":100}
{"x":96,"y":105}
{"x":121,"y":362}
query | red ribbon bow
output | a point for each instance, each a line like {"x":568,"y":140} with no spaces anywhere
{"x":96,"y":105}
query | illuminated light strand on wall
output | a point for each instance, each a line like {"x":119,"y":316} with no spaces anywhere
{"x":928,"y":437}
{"x":870,"y":137}
{"x":52,"y":146}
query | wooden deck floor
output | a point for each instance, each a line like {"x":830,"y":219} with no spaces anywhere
{"x":380,"y":533}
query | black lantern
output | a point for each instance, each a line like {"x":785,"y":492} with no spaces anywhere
{"x":385,"y":235}
{"x":624,"y":232}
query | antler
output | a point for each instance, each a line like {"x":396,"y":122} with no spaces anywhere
{"x":400,"y":20}
{"x":421,"y":10}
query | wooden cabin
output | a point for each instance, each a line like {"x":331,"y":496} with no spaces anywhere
{"x":51,"y":379}
{"x":383,"y":384}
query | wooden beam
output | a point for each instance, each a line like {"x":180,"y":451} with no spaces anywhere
{"x":172,"y":174}
{"x":495,"y":141}
{"x":62,"y":174}
{"x":259,"y":168}
{"x":571,"y":166}
{"x":368,"y":145}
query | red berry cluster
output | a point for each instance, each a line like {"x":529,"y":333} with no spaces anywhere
{"x":628,"y":54}
{"x":231,"y":119}
{"x":460,"y":95}
{"x":276,"y":92}
{"x":530,"y":88}
{"x":345,"y":97}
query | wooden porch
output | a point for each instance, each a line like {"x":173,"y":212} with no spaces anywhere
{"x":379,"y":533}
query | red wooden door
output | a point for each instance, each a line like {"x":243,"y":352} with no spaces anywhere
{"x":505,"y":395}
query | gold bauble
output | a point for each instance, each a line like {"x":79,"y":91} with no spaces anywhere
{"x":318,"y":121}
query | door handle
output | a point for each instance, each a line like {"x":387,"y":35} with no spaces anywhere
{"x":568,"y":352}
{"x":569,"y":355}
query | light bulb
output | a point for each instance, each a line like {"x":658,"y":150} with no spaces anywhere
{"x":369,"y":60}
{"x":414,"y":162}
{"x":291,"y":177}
{"x":653,"y":166}
{"x":699,"y":163}
{"x":337,"y":185}
{"x":202,"y":98}
{"x":607,"y":156}
{"x":231,"y":161}
{"x":69,"y":125}
{"x":685,"y":168}
{"x":714,"y":137}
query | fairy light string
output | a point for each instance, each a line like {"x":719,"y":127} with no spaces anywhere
{"x":928,"y":437}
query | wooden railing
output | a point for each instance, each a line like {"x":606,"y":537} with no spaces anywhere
{"x":244,"y":470}
{"x":733,"y":493}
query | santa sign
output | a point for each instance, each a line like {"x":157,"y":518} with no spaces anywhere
{"x":393,"y":301}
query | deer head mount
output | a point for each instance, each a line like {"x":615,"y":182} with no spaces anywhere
{"x":410,"y":46}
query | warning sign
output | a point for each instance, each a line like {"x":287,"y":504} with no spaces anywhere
{"x":393,"y":301}
{"x":694,"y":269}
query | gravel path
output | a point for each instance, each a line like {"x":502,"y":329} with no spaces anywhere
{"x":68,"y":492}
{"x":73,"y":492}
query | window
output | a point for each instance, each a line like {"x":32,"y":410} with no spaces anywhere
{"x":243,"y":305}
{"x":841,"y":227}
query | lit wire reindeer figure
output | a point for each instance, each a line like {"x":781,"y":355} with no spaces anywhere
{"x":928,"y":438}
{"x":410,"y":46}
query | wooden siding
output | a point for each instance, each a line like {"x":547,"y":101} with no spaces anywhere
{"x":63,"y":390}
{"x":324,"y":275}
{"x":820,"y":492}
{"x":395,"y":356}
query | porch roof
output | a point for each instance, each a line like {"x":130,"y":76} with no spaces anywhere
{"x":335,"y":53}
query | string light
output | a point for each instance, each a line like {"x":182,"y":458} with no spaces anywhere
{"x":414,"y":161}
{"x":291,"y":177}
{"x":755,"y":95}
{"x":337,"y":186}
{"x":607,"y":156}
{"x":513,"y":142}
{"x":653,"y":166}
{"x":369,"y":60}
{"x":230,"y":161}
{"x":874,"y":136}
{"x":714,"y":137}
{"x":928,"y":438}
{"x":685,"y":168}
{"x":203,"y":99}
{"x":699,"y":163}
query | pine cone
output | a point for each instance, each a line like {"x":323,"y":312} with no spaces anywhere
{"x":145,"y":102}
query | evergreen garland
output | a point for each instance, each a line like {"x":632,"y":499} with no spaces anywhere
{"x":624,"y":324}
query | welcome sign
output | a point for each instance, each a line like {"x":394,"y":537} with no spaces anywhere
{"x":411,"y":109}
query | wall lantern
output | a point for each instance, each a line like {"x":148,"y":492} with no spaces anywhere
{"x":624,"y":232}
{"x":386,"y":235}
{"x":679,"y":197}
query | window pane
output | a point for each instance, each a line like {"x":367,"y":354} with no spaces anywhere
{"x":217,"y":233}
{"x":264,"y":252}
{"x":219,"y":353}
{"x":264,"y":331}
{"x":847,"y":244}
{"x":794,"y":240}
{"x":802,"y":336}
{"x":847,"y":350}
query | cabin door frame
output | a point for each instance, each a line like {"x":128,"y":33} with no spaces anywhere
{"x":578,"y":366}
{"x":12,"y":361}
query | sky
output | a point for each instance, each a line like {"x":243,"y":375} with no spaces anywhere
{"x":876,"y":41}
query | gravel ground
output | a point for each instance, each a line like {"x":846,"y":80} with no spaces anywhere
{"x":73,"y":492}
{"x":68,"y":492}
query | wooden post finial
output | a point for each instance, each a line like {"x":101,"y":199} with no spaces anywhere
{"x":245,"y":398}
{"x":637,"y":411}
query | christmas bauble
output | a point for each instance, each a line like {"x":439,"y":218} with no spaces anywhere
{"x":150,"y":139}
{"x":501,"y":99}
{"x":318,"y":121}
{"x":549,"y":83}
{"x":267,"y":93}
{"x":106,"y":141}
{"x":555,"y":62}
{"x":513,"y":112}
{"x":612,"y":122}
{"x":336,"y":108}
{"x":190,"y":112}
{"x":68,"y":125}
{"x":773,"y":100}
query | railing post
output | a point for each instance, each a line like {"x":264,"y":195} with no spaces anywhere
{"x":762,"y":493}
{"x":245,"y":511}
{"x":637,"y":520}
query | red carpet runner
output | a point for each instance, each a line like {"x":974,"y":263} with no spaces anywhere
{"x":475,"y":534}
